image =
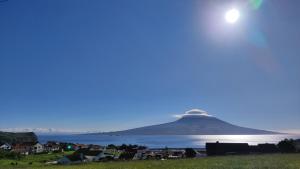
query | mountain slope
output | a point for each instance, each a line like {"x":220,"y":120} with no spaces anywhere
{"x":8,"y":137}
{"x":194,"y":122}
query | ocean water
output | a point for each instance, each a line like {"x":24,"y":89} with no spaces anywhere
{"x":172,"y":141}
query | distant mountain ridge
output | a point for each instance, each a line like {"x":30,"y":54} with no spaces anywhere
{"x":44,"y":131}
{"x":193,"y":122}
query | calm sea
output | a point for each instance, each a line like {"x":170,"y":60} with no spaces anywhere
{"x":177,"y":141}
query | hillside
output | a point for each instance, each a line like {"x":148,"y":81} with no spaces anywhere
{"x":8,"y":137}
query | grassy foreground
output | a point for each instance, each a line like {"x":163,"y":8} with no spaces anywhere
{"x":276,"y":161}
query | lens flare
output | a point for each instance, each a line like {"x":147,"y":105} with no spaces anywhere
{"x":255,"y":4}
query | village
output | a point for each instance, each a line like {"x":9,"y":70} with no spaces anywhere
{"x":92,"y":153}
{"x":83,"y":153}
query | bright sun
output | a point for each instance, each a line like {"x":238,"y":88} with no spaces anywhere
{"x":232,"y":15}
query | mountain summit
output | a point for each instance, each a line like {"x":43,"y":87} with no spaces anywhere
{"x":193,"y":122}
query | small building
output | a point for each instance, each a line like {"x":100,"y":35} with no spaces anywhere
{"x":90,"y":155}
{"x":95,"y":147}
{"x":144,"y":154}
{"x":51,"y":146}
{"x":226,"y":148}
{"x":94,"y":155}
{"x":175,"y":154}
{"x":23,"y":148}
{"x":37,"y":148}
{"x":79,"y":146}
{"x":158,"y":154}
{"x":139,"y":155}
{"x":5,"y":146}
{"x":72,"y":159}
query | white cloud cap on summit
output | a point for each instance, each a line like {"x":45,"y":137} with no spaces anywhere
{"x":193,"y":112}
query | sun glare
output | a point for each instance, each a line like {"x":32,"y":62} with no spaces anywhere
{"x":232,"y":15}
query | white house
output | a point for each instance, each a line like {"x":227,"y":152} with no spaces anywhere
{"x":37,"y":148}
{"x":51,"y":146}
{"x":176,"y":154}
{"x":5,"y":146}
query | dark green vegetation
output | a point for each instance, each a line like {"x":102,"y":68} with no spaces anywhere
{"x":10,"y":155}
{"x":190,"y":153}
{"x":30,"y":160}
{"x":270,"y":161}
{"x":7,"y":137}
{"x":287,"y":146}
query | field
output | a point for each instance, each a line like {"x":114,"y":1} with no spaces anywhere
{"x":277,"y":161}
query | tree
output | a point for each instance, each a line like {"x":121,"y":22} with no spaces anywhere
{"x":165,"y":152}
{"x":287,"y":146}
{"x":141,"y":147}
{"x":126,"y":155}
{"x":190,"y":153}
{"x":112,"y":146}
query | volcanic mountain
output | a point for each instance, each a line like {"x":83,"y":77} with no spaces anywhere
{"x":193,"y":122}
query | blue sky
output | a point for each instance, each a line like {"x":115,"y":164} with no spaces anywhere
{"x":110,"y":65}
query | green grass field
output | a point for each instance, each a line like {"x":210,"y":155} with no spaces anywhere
{"x":277,"y":161}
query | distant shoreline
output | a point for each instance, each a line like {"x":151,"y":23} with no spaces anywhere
{"x":161,"y":141}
